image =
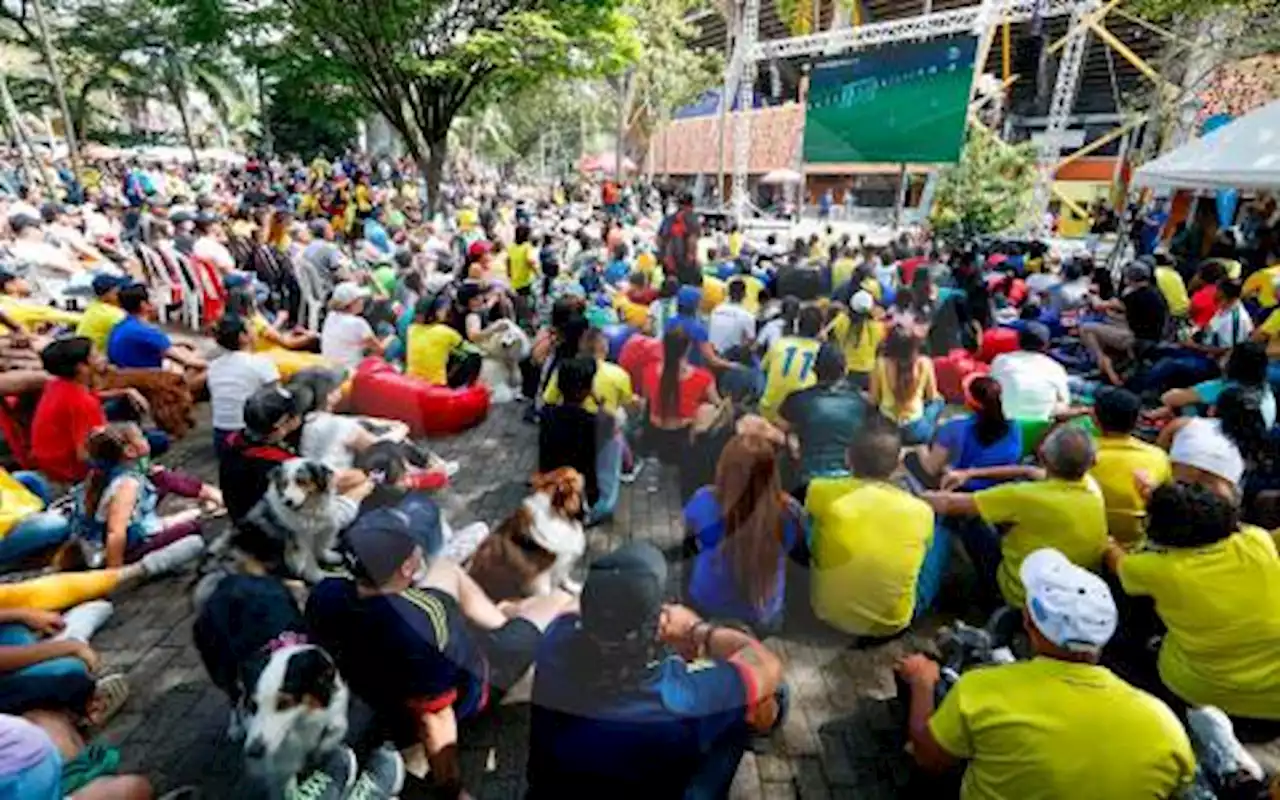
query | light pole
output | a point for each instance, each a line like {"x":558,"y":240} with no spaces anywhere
{"x":68,"y":129}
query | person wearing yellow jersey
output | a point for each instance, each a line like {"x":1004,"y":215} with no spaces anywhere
{"x":788,"y":364}
{"x":843,"y":267}
{"x":1261,"y":287}
{"x":1047,"y":728}
{"x":611,"y":388}
{"x":1063,"y":509}
{"x":103,"y":313}
{"x":431,"y":340}
{"x":522,"y":264}
{"x":859,"y":334}
{"x":904,"y":387}
{"x":735,"y":241}
{"x":1169,"y":282}
{"x":871,"y":543}
{"x":1216,"y":588}
{"x":1122,"y":457}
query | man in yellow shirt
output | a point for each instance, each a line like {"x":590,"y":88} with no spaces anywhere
{"x":430,"y":342}
{"x":870,"y":544}
{"x":788,"y":365}
{"x":1049,"y":727}
{"x":1171,"y":285}
{"x":1063,"y":509}
{"x":1216,"y":587}
{"x":610,"y":389}
{"x":1124,"y":461}
{"x":104,"y":312}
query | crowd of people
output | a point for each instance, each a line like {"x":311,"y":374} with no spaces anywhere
{"x":864,"y":432}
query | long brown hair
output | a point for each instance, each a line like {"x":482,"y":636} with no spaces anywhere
{"x":749,"y":491}
{"x":675,"y":346}
{"x":902,"y":350}
{"x":107,"y":448}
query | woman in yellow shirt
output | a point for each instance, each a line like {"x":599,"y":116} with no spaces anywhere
{"x":859,"y":334}
{"x":431,"y":341}
{"x":905,"y":389}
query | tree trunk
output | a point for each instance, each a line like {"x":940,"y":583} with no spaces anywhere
{"x":433,"y":172}
{"x":73,"y":148}
{"x":30,"y":159}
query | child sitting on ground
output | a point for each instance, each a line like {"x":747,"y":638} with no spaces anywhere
{"x":116,"y":517}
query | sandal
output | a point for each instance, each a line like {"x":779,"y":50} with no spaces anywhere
{"x":110,"y":693}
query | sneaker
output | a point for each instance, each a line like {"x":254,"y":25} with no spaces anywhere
{"x":637,"y":466}
{"x":382,"y":777}
{"x":331,"y":780}
{"x":173,"y":557}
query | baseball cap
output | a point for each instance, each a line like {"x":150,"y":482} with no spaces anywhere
{"x":1035,"y":333}
{"x":624,"y":591}
{"x":381,"y":542}
{"x":182,"y":216}
{"x":862,"y":302}
{"x":1201,"y":444}
{"x":688,"y":298}
{"x":104,"y":283}
{"x":266,"y":407}
{"x":478,"y":248}
{"x":1069,"y":605}
{"x":346,"y":293}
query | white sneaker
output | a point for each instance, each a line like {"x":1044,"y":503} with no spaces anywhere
{"x":173,"y":557}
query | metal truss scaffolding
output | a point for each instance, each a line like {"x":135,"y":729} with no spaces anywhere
{"x":976,"y":19}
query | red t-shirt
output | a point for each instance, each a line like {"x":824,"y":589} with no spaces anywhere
{"x":907,"y":268}
{"x":1204,"y":304}
{"x":636,"y":355}
{"x":65,"y":415}
{"x":693,"y":387}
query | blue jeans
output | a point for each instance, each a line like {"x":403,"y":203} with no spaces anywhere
{"x":713,"y":779}
{"x":35,"y":533}
{"x":608,"y":478}
{"x":933,"y":569}
{"x":60,"y":683}
{"x":40,"y":781}
{"x":1273,"y":377}
{"x":982,"y":543}
{"x":1178,"y":370}
{"x":921,"y":429}
{"x":37,"y":484}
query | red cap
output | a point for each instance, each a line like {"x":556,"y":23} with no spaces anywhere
{"x":479,"y":248}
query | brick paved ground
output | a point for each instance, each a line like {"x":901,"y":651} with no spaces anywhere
{"x":842,"y":738}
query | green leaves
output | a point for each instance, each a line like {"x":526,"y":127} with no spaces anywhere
{"x":988,"y":190}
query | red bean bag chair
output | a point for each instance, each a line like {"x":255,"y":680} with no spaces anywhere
{"x":618,"y":335}
{"x":951,"y":371}
{"x":997,"y":341}
{"x":379,"y":390}
{"x":637,"y":354}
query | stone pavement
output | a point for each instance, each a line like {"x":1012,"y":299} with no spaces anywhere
{"x":840,"y":740}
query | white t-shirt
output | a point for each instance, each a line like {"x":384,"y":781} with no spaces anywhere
{"x":325,"y":438}
{"x":1229,"y":327}
{"x":233,"y":378}
{"x":1032,"y":384}
{"x":216,"y":252}
{"x":730,"y":326}
{"x":342,"y":338}
{"x":770,"y":332}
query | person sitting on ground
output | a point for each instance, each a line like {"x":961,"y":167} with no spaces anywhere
{"x":102,"y":314}
{"x":613,"y":706}
{"x":271,"y":422}
{"x":1204,"y":292}
{"x":662,"y":309}
{"x":116,"y":516}
{"x":267,"y":334}
{"x":69,"y":409}
{"x":859,"y":333}
{"x":45,"y":747}
{"x":740,"y":532}
{"x":1032,"y":728}
{"x":1198,"y":360}
{"x":235,"y":375}
{"x":876,"y":563}
{"x":346,"y":337}
{"x":134,"y":343}
{"x":1171,"y":285}
{"x":1225,"y":444}
{"x":434,"y":350}
{"x":419,"y":641}
{"x":678,"y":394}
{"x":611,"y":388}
{"x":1033,"y":385}
{"x":1215,"y":586}
{"x":965,"y":449}
{"x":731,"y":328}
{"x":824,"y":418}
{"x":571,"y":435}
{"x":1139,"y":316}
{"x":333,"y":439}
{"x":1121,"y":457}
{"x":1062,"y":509}
{"x":1246,"y":368}
{"x":788,"y":364}
{"x":904,"y":387}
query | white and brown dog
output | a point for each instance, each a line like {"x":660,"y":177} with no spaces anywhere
{"x":503,"y":350}
{"x":534,"y":550}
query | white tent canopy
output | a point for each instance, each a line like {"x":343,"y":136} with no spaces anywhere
{"x":1243,"y":154}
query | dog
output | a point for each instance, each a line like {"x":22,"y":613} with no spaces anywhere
{"x":288,"y":702}
{"x":503,"y":352}
{"x":534,"y":550}
{"x":302,"y":509}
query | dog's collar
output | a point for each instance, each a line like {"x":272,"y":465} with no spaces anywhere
{"x":285,"y":639}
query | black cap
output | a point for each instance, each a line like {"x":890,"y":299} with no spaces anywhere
{"x":1034,"y":336}
{"x":381,"y":542}
{"x":265,"y":408}
{"x":106,"y":283}
{"x":624,"y":591}
{"x":181,"y":216}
